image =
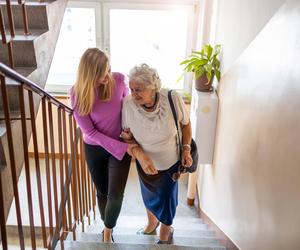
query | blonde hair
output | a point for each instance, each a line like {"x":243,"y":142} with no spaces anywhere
{"x":92,"y":67}
{"x":144,"y":74}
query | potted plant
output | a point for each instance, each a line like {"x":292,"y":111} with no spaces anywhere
{"x":205,"y":65}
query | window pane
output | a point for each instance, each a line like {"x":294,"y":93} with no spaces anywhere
{"x":155,"y":37}
{"x":76,"y":35}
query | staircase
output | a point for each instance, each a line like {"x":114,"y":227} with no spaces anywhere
{"x":32,"y":56}
{"x":190,"y":233}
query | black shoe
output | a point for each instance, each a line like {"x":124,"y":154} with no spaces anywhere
{"x":170,"y":238}
{"x":153,"y":232}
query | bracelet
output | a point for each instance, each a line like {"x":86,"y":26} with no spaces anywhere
{"x":186,"y":145}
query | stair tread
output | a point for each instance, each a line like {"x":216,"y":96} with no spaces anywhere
{"x":74,"y":245}
{"x":177,"y":232}
{"x":151,"y":239}
{"x":138,"y":221}
{"x":19,"y":35}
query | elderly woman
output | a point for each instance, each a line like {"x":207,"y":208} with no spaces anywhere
{"x":148,"y":119}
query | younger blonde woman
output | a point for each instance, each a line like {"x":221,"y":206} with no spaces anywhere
{"x":96,"y":99}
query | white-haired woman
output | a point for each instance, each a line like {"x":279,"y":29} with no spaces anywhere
{"x":96,"y":99}
{"x":147,"y":117}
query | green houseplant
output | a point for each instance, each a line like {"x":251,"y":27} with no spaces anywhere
{"x":204,"y":64}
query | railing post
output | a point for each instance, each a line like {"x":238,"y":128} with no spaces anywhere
{"x":73,"y":178}
{"x":27,"y":168}
{"x":66,"y":167}
{"x":61,"y":167}
{"x":10,"y":18}
{"x":2,"y":27}
{"x":25,"y":19}
{"x":48,"y":176}
{"x":52,"y":146}
{"x":12,"y":159}
{"x":37,"y":166}
{"x":2,"y":218}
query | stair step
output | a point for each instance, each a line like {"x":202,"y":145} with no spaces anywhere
{"x":150,"y":239}
{"x":19,"y":35}
{"x":132,"y":231}
{"x":23,"y":51}
{"x":76,"y":245}
{"x":36,"y":13}
{"x":138,"y":221}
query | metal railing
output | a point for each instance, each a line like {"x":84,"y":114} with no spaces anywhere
{"x":65,"y":167}
{"x":8,"y":39}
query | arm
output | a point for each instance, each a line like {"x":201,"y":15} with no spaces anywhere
{"x":186,"y":158}
{"x":113,"y":146}
{"x":137,"y":152}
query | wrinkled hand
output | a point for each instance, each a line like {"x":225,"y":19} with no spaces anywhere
{"x":145,"y":161}
{"x":127,"y":136}
{"x":186,"y":158}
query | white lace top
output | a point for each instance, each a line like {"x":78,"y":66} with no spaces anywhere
{"x":155,"y":131}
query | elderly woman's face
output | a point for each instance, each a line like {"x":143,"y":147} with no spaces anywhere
{"x":141,"y":95}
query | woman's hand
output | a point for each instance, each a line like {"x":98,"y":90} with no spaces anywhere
{"x":186,"y":158}
{"x":145,"y":161}
{"x":127,"y":136}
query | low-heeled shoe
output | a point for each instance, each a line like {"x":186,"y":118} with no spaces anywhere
{"x":153,"y":232}
{"x":170,"y":238}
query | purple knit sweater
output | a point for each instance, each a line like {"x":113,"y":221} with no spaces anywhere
{"x":102,"y":126}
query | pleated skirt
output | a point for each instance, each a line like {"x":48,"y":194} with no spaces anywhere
{"x":160,"y":193}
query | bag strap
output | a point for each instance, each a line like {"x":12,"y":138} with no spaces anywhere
{"x":175,"y":119}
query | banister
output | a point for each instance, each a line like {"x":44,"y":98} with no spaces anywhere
{"x":32,"y":86}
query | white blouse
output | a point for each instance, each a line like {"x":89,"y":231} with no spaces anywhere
{"x":155,"y":131}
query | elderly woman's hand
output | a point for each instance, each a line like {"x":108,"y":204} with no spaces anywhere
{"x":145,"y":161}
{"x":186,"y":158}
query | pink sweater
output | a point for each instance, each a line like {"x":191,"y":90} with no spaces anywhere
{"x":102,"y":126}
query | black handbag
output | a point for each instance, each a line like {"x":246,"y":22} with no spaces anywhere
{"x":194,"y":151}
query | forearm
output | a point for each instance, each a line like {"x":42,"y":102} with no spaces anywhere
{"x":186,"y":134}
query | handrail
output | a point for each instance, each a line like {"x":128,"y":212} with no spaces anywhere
{"x":31,"y":85}
{"x":72,"y":170}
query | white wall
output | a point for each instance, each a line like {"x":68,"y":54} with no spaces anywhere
{"x":238,"y":23}
{"x":252,"y":190}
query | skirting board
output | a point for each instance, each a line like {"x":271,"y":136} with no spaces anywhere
{"x":221,"y":236}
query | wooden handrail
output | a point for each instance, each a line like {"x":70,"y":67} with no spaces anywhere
{"x":74,"y":203}
{"x":32,"y":86}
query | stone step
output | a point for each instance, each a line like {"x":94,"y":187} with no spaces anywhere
{"x":23,"y":49}
{"x":76,"y":245}
{"x":132,"y":231}
{"x":36,"y":13}
{"x":20,"y":36}
{"x":150,"y":239}
{"x":138,"y":221}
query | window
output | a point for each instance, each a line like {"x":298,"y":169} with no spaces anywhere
{"x":157,"y":34}
{"x":78,"y":32}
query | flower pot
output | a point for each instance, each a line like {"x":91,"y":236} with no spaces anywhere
{"x":202,"y":84}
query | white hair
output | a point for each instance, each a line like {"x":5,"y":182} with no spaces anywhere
{"x":143,"y":74}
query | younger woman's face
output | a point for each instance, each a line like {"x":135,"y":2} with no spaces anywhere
{"x":105,"y":78}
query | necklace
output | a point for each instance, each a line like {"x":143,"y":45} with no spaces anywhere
{"x":152,"y":106}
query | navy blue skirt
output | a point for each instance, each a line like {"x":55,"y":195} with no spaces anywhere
{"x":160,"y":193}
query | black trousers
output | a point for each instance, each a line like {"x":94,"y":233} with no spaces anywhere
{"x":109,"y":176}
